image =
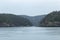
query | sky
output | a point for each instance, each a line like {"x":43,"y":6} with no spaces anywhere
{"x":29,"y":7}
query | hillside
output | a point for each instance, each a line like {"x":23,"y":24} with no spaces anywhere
{"x":51,"y":20}
{"x":13,"y":20}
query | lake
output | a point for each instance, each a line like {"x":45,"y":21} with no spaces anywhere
{"x":30,"y":33}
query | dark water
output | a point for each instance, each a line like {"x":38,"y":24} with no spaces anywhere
{"x":30,"y":33}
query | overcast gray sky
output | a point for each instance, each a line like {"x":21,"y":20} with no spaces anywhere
{"x":29,"y":7}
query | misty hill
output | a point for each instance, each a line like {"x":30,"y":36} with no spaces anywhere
{"x":13,"y":20}
{"x":51,"y":20}
{"x":34,"y":19}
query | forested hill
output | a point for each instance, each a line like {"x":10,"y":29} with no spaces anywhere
{"x":13,"y":20}
{"x":52,"y":19}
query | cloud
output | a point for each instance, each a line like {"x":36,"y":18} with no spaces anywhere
{"x":29,"y":7}
{"x":30,"y":1}
{"x":34,"y":0}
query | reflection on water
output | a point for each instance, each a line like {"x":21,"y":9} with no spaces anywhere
{"x":30,"y":33}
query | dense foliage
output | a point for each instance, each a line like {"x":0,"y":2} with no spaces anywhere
{"x":52,"y":19}
{"x":13,"y":20}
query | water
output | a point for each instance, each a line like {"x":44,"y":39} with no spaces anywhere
{"x":30,"y":33}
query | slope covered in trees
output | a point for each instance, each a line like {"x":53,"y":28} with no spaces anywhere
{"x":52,"y":19}
{"x":13,"y":20}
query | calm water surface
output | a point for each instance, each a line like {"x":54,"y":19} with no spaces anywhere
{"x":30,"y":33}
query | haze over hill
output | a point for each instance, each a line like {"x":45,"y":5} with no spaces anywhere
{"x":34,"y":19}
